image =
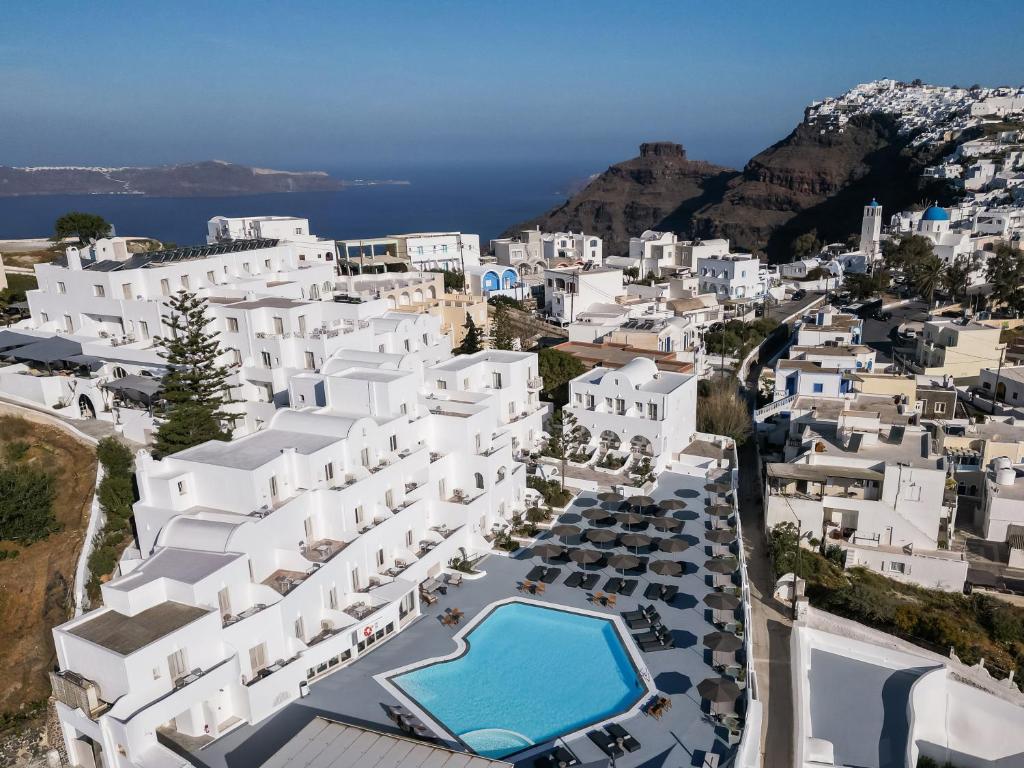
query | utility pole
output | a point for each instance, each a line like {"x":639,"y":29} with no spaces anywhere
{"x":999,"y":373}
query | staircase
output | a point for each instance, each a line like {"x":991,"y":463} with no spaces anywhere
{"x":774,"y":407}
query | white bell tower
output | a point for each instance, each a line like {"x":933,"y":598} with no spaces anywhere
{"x":871,"y":231}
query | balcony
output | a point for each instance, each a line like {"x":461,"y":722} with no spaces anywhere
{"x":284,"y":581}
{"x":77,"y":692}
{"x":536,"y":383}
{"x":322,"y":550}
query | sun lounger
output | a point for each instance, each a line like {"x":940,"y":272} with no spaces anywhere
{"x":644,"y":622}
{"x":653,"y":591}
{"x":454,"y":579}
{"x":556,"y":758}
{"x":606,"y":744}
{"x":668,"y":592}
{"x":589,"y":581}
{"x":628,"y":587}
{"x":656,"y":634}
{"x":663,"y":644}
{"x":396,"y":712}
{"x":536,"y":573}
{"x":551,"y":576}
{"x":428,"y":598}
{"x":640,"y":613}
{"x":613,"y":585}
{"x":574,"y":579}
{"x":622,"y":737}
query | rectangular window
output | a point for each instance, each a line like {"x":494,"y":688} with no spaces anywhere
{"x":939,"y":407}
{"x":408,"y":347}
{"x":609,"y":403}
{"x":403,"y":409}
{"x":211,"y":278}
{"x":181,"y":487}
{"x":329,"y":471}
{"x":442,"y":384}
{"x":364,"y":457}
{"x":393,"y":442}
{"x":233,"y":324}
{"x":278,"y":326}
{"x":165,"y":287}
{"x":496,"y":380}
{"x":69,"y":326}
{"x":332,"y":598}
{"x":408,"y":539}
{"x":143,"y":329}
{"x":99,"y":291}
{"x":816,"y":388}
{"x":579,"y":399}
{"x":44,"y":317}
{"x":426,"y":341}
{"x":177,"y":664}
{"x":265,"y":359}
{"x":380,"y":558}
{"x":359,"y":515}
{"x":245,"y":267}
{"x":273,"y":488}
{"x":620,"y":406}
{"x":126,"y":290}
{"x":357,"y":583}
{"x":898,"y":567}
{"x":61,"y":288}
{"x":300,"y":629}
{"x":389,"y":499}
{"x":266,"y":264}
{"x":310,"y":361}
{"x":184,"y":282}
{"x":234,"y":357}
{"x":224,"y":602}
{"x":652,"y":411}
{"x":590,"y":402}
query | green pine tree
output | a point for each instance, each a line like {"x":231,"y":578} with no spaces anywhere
{"x":473,"y":339}
{"x":503,"y":336}
{"x":195,"y":387}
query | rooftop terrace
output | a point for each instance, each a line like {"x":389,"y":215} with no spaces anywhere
{"x":127,"y":634}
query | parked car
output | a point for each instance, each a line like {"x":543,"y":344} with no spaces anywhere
{"x":799,"y":294}
{"x":881,"y":315}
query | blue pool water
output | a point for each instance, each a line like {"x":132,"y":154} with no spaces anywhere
{"x":530,"y":674}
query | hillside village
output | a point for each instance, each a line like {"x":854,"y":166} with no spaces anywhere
{"x":349,"y":454}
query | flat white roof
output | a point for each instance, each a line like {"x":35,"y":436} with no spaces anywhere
{"x":329,"y":744}
{"x":255,"y":450}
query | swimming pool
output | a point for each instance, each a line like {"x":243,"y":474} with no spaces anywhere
{"x":530,"y":673}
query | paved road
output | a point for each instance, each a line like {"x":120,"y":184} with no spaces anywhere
{"x":880,"y":335}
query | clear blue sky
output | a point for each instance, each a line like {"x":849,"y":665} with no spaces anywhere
{"x":344,"y":85}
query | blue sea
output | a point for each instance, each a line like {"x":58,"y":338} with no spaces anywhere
{"x":482,"y":200}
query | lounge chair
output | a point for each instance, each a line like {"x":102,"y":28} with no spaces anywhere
{"x":613,"y":586}
{"x":396,"y":712}
{"x":668,"y":592}
{"x":656,"y":634}
{"x":622,"y":737}
{"x":428,"y":598}
{"x":589,"y":581}
{"x":556,"y":758}
{"x":454,"y":579}
{"x":574,"y":579}
{"x":610,"y":601}
{"x":645,"y":622}
{"x":551,"y":576}
{"x":606,"y":744}
{"x":653,"y":591}
{"x":662,"y":644}
{"x":640,"y":613}
{"x":628,"y":587}
{"x":536,"y":573}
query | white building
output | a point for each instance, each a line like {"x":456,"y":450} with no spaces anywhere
{"x":571,"y":290}
{"x":864,"y":697}
{"x":830,"y":327}
{"x":267,"y":562}
{"x":534,"y":251}
{"x":737,"y":277}
{"x":663,"y":253}
{"x":650,"y":411}
{"x":451,"y":251}
{"x":221,"y":229}
{"x":1002,"y":499}
{"x":875,"y":489}
{"x":871,"y":231}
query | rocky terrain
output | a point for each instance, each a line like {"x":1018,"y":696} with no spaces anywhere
{"x":659,"y":189}
{"x":873,"y":141}
{"x":212,"y":178}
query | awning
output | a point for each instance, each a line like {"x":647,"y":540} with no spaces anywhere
{"x":12,"y":339}
{"x":51,"y":350}
{"x":142,"y":389}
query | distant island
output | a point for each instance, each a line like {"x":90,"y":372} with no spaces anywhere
{"x":210,"y":178}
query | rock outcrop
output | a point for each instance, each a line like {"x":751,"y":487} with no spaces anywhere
{"x":660,"y":188}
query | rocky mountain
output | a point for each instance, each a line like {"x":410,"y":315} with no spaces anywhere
{"x":212,"y":178}
{"x":660,"y":188}
{"x":875,"y":140}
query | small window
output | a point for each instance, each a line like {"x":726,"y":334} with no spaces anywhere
{"x":126,"y":290}
{"x":233,"y":324}
{"x":61,"y":288}
{"x":403,"y":409}
{"x":310,"y":361}
{"x":181,"y":487}
{"x":898,"y":567}
{"x":99,"y":291}
{"x":938,"y":407}
{"x":478,"y":479}
{"x":329,"y":471}
{"x":184,"y":282}
{"x":165,"y":287}
{"x":442,"y":384}
{"x":393,"y":442}
{"x":211,"y":277}
{"x":817,"y":388}
{"x":265,"y":358}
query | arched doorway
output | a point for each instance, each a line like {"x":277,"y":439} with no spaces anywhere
{"x":640,"y":444}
{"x":610,"y":440}
{"x":85,"y":407}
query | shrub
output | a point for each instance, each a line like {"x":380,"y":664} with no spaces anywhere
{"x":116,"y":494}
{"x":16,"y":450}
{"x":26,"y":503}
{"x":552,"y":491}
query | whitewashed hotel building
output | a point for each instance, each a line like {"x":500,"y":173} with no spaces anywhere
{"x":268,"y":562}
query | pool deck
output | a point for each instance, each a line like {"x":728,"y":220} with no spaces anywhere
{"x":681,"y":737}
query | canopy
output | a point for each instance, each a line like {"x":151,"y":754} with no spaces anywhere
{"x":141,"y":389}
{"x":667,"y":524}
{"x":600,"y":535}
{"x":12,"y":339}
{"x":565,"y":530}
{"x":623,"y":562}
{"x":666,"y":568}
{"x":671,"y":504}
{"x":722,"y":564}
{"x":673,"y":545}
{"x":47,"y":351}
{"x":722,"y":641}
{"x":721,"y":601}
